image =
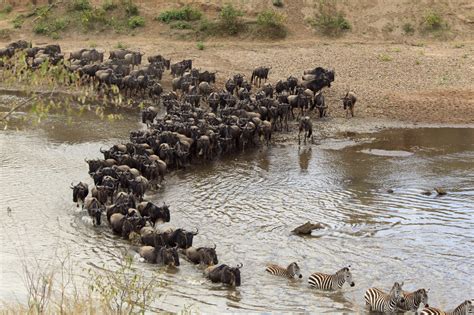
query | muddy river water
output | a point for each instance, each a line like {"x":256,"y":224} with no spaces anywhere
{"x":247,"y":204}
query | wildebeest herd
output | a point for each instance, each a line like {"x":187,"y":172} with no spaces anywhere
{"x":241,"y":115}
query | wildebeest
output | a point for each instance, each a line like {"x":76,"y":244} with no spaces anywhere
{"x":79,"y":193}
{"x":258,"y":74}
{"x":155,"y":213}
{"x":320,"y":103}
{"x":94,"y":209}
{"x":178,"y":237}
{"x":224,"y":274}
{"x":349,"y":101}
{"x":202,"y":255}
{"x":307,"y":126}
{"x":125,"y":224}
{"x":160,"y":255}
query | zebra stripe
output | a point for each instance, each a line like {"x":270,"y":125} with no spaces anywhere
{"x":379,"y":301}
{"x":464,"y":308}
{"x":413,"y":300}
{"x":290,"y":272}
{"x":332,"y":282}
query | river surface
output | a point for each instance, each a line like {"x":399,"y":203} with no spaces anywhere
{"x":247,"y":205}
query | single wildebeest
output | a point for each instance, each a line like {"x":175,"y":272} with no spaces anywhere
{"x":307,"y":126}
{"x":349,"y":101}
{"x":125,"y":224}
{"x":258,"y":74}
{"x":149,"y":114}
{"x":320,"y":104}
{"x":155,"y":213}
{"x":138,"y":186}
{"x":202,"y":255}
{"x":224,"y":274}
{"x":179,"y":237}
{"x":160,"y":255}
{"x":79,"y":193}
{"x":94,"y":209}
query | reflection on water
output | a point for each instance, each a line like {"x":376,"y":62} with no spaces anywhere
{"x":247,"y":204}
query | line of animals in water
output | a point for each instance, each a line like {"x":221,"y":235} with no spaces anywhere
{"x":238,"y":118}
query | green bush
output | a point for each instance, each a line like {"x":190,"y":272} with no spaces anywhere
{"x":136,"y":21}
{"x":81,"y":5}
{"x":433,"y":21}
{"x":92,"y":19}
{"x":329,"y":20}
{"x":200,"y":45}
{"x":109,"y":5}
{"x":18,"y":21}
{"x":181,"y":25}
{"x":41,"y":29}
{"x":277,"y":3}
{"x":50,"y":27}
{"x":408,"y":29}
{"x":185,"y":13}
{"x":271,"y":24}
{"x":6,"y":9}
{"x":130,"y":8}
{"x":230,"y":21}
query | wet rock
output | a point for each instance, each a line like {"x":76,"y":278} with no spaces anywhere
{"x":307,"y":228}
{"x":390,"y":191}
{"x":426,"y":193}
{"x":440,"y":191}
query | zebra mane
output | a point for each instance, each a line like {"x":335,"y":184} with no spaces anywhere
{"x":462,"y":306}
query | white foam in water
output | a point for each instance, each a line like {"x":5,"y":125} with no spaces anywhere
{"x":87,"y":220}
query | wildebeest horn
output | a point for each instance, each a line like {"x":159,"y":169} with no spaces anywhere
{"x":85,"y":160}
{"x":101,"y":151}
{"x":197,"y":231}
{"x":241,"y":265}
{"x":72,"y":185}
{"x":215,"y":246}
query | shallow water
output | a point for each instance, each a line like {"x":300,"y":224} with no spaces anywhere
{"x":249,"y":203}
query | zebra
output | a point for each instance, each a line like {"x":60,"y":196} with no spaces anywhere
{"x":290,"y":272}
{"x":379,"y":301}
{"x":465,"y":308}
{"x":331,"y":282}
{"x":413,"y":300}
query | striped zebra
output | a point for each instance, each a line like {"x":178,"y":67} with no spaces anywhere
{"x":413,"y":300}
{"x":290,"y":272}
{"x":465,"y":308}
{"x":333,"y":282}
{"x":379,"y":301}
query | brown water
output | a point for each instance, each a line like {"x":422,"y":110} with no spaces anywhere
{"x":247,"y":205}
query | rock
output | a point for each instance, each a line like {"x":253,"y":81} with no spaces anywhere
{"x":440,"y":191}
{"x":426,"y":193}
{"x":307,"y":228}
{"x":390,"y":191}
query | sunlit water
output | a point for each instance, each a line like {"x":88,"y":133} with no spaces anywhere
{"x":248,"y":204}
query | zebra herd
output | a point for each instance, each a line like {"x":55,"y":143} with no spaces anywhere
{"x":376,"y":299}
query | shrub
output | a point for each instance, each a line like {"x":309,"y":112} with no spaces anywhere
{"x":185,"y":13}
{"x":230,"y":21}
{"x":90,"y":19}
{"x":18,"y":21}
{"x":7,"y":9}
{"x":271,"y":24}
{"x":181,"y":25}
{"x":200,"y":45}
{"x":40,"y":29}
{"x":277,"y":3}
{"x":329,"y":20}
{"x":136,"y":21}
{"x":121,"y":45}
{"x":408,"y":29}
{"x":433,"y":21}
{"x":109,"y":5}
{"x":384,"y":57}
{"x":130,"y":8}
{"x":81,"y":5}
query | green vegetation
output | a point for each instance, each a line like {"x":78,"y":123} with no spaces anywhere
{"x":109,"y":5}
{"x":185,"y":13}
{"x":277,"y":3}
{"x":181,"y":25}
{"x":271,"y":24}
{"x":50,"y":27}
{"x":384,"y":57}
{"x":329,"y":20}
{"x":230,"y":20}
{"x":408,"y":29}
{"x":136,"y":21}
{"x":121,"y":45}
{"x":200,"y":45}
{"x":5,"y":34}
{"x":7,"y":8}
{"x":433,"y":21}
{"x":18,"y":21}
{"x":388,"y":28}
{"x":81,"y":5}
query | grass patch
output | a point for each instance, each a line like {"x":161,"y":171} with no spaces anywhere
{"x":388,"y":28}
{"x":6,"y":9}
{"x":121,"y":45}
{"x":18,"y":21}
{"x":186,"y":13}
{"x":81,"y":5}
{"x":200,"y":45}
{"x":5,"y":34}
{"x":329,"y":20}
{"x":109,"y":5}
{"x":433,"y":21}
{"x":385,"y":57}
{"x":181,"y":25}
{"x":459,"y":46}
{"x":277,"y":3}
{"x":271,"y":24}
{"x":136,"y":21}
{"x":230,"y":20}
{"x":131,"y":9}
{"x":51,"y":27}
{"x":408,"y":29}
